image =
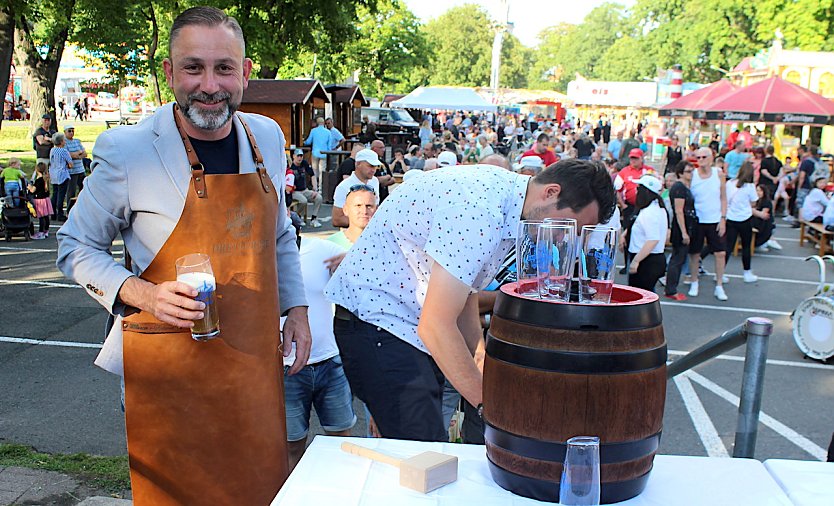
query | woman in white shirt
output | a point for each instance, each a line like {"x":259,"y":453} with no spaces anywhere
{"x":741,"y":207}
{"x":648,"y":235}
{"x":814,"y":205}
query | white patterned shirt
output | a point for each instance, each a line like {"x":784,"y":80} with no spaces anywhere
{"x":465,"y":218}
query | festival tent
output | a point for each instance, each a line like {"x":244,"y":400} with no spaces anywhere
{"x":455,"y":99}
{"x":693,"y":103}
{"x":773,"y":100}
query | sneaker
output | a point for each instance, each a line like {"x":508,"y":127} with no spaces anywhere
{"x":749,"y":277}
{"x":773,"y":245}
{"x":315,"y":223}
{"x":678,"y":297}
{"x":789,"y":218}
{"x":719,"y":293}
{"x":693,"y":289}
{"x":38,"y":236}
{"x":762,"y":249}
{"x":724,"y":279}
{"x":702,"y":271}
{"x":662,"y":281}
{"x":687,"y":280}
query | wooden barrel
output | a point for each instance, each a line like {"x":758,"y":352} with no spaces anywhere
{"x":557,"y":370}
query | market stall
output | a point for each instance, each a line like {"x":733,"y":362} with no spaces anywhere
{"x":452,"y":99}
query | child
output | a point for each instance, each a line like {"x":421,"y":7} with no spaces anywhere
{"x":43,"y":205}
{"x":815,"y":202}
{"x":13,"y":181}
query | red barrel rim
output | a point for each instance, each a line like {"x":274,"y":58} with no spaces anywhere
{"x":627,"y":296}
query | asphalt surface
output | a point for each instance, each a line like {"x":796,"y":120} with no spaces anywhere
{"x":52,"y":397}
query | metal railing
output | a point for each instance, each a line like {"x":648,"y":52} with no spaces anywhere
{"x":754,"y":333}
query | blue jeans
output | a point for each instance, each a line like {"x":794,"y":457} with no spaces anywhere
{"x":323,"y":386}
{"x":13,"y":192}
{"x":59,"y":193}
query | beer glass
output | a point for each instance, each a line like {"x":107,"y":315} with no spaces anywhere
{"x":525,"y":257}
{"x":579,"y":485}
{"x":195,"y":271}
{"x":597,"y":255}
{"x":555,"y":255}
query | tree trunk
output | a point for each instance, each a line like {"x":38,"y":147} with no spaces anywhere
{"x":6,"y":51}
{"x":42,"y":69}
{"x":152,"y":56}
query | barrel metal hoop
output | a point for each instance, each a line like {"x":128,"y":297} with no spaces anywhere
{"x":595,"y":317}
{"x":543,"y":490}
{"x":576,"y":362}
{"x":554,"y":451}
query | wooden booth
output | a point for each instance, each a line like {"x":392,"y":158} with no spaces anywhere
{"x":348,"y":102}
{"x":293,"y":104}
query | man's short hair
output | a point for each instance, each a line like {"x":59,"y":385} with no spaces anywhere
{"x":205,"y":16}
{"x":814,"y":150}
{"x":319,"y":121}
{"x":582,"y":182}
{"x":58,"y":138}
{"x":739,"y":144}
{"x":543,"y":138}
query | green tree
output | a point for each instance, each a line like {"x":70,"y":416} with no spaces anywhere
{"x":516,"y":60}
{"x":461,"y":42}
{"x":7,"y":21}
{"x":554,"y":64}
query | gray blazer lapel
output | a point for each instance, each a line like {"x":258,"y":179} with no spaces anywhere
{"x":170,"y":150}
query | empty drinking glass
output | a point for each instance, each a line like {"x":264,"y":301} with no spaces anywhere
{"x":597,"y":256}
{"x":579,"y":485}
{"x":555,"y":257}
{"x":525,"y":254}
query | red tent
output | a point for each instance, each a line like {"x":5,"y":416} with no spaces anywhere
{"x":692,"y":104}
{"x":773,"y":100}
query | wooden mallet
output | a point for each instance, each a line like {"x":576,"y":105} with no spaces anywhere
{"x":424,"y":472}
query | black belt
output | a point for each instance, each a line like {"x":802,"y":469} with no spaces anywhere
{"x":342,"y":313}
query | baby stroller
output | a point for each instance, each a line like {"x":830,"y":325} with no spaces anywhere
{"x":16,"y":219}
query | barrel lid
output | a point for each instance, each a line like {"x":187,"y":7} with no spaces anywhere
{"x":630,"y":309}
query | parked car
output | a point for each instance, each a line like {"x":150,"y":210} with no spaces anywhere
{"x":390,"y":120}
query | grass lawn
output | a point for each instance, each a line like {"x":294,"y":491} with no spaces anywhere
{"x":107,"y":473}
{"x":15,"y":136}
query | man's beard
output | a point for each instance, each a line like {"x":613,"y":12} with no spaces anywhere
{"x":209,"y":119}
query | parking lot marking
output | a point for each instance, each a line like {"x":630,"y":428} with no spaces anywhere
{"x":770,"y":361}
{"x":35,"y":250}
{"x":783,"y":430}
{"x":727,"y":308}
{"x":37,"y":283}
{"x":67,"y":344}
{"x":700,"y":419}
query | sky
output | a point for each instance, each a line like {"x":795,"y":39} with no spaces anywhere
{"x":529,"y":16}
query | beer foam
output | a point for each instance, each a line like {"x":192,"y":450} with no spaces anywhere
{"x":201,"y":281}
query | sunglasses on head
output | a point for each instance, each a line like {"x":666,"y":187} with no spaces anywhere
{"x":361,"y":187}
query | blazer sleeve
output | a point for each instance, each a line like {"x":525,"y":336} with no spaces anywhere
{"x":290,"y":284}
{"x":84,"y":244}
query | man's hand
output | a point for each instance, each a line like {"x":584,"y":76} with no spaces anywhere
{"x":333,"y":263}
{"x":633,"y":266}
{"x":297,"y":329}
{"x":170,"y":302}
{"x":721,"y":227}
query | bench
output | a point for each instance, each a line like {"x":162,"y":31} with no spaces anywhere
{"x":116,"y":122}
{"x":816,"y":233}
{"x":737,"y":246}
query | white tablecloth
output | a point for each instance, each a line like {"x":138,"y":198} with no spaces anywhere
{"x":328,"y":476}
{"x":807,"y":483}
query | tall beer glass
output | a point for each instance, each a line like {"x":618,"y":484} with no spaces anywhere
{"x":195,"y":271}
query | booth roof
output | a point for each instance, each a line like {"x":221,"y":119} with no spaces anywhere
{"x":457,"y":99}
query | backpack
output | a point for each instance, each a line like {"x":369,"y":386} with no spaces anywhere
{"x":821,"y":170}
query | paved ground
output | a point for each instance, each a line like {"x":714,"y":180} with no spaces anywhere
{"x":55,"y":400}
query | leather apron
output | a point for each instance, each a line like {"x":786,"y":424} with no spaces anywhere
{"x":205,"y":420}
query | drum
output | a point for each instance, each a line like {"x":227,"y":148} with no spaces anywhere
{"x":813,"y":327}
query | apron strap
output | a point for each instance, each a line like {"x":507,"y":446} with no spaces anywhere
{"x":256,"y":155}
{"x":197,"y":169}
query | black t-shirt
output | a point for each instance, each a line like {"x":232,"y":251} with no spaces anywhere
{"x":42,"y":150}
{"x":218,"y":157}
{"x":383,"y":170}
{"x":807,"y":166}
{"x":680,"y":191}
{"x":584,"y":147}
{"x":673,"y":156}
{"x":772,"y":165}
{"x":301,"y":172}
{"x":346,"y":168}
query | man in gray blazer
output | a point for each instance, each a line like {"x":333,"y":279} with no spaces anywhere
{"x":138,"y":189}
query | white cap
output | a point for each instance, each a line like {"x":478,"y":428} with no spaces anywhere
{"x":447,"y":159}
{"x":68,"y":126}
{"x":652,"y":183}
{"x":366,"y":155}
{"x":411,"y":174}
{"x":532,"y":161}
{"x":298,"y":151}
